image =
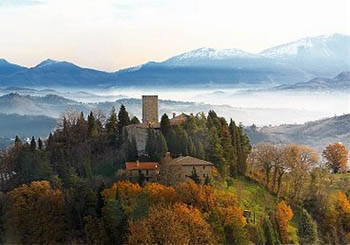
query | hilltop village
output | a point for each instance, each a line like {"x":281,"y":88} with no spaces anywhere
{"x":182,"y":167}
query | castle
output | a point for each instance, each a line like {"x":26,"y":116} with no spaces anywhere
{"x":150,"y":170}
{"x":150,"y":120}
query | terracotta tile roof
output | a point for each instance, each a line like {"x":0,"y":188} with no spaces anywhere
{"x":178,"y":120}
{"x":141,"y":165}
{"x":191,"y":161}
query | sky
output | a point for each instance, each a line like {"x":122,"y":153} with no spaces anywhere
{"x":114,"y":34}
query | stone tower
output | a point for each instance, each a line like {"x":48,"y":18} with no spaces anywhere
{"x":149,"y":109}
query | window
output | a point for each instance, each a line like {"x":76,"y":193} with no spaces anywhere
{"x":140,"y":172}
{"x":203,"y":175}
{"x":147,"y":172}
{"x":203,"y":167}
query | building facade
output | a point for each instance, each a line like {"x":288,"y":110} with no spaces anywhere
{"x":189,"y":164}
{"x":149,"y":171}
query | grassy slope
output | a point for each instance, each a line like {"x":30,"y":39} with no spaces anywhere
{"x":254,"y":197}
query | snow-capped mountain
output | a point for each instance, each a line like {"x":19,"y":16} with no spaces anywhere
{"x":203,"y":54}
{"x":299,"y":61}
{"x":321,"y":55}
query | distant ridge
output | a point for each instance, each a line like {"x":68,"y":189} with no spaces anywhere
{"x":289,"y":63}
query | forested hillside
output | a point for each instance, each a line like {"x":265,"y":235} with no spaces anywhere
{"x":266,"y":195}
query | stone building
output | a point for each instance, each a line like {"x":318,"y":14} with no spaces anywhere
{"x":189,"y":164}
{"x":149,"y":170}
{"x":150,"y":121}
{"x":150,"y":109}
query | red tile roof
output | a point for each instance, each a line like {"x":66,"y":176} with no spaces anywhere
{"x":141,"y":165}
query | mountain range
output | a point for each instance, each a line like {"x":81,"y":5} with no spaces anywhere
{"x":289,"y":63}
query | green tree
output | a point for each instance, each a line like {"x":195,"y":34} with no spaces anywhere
{"x":33,"y":144}
{"x":307,"y":230}
{"x":165,"y":125}
{"x":161,"y":147}
{"x":215,"y":151}
{"x":270,"y":233}
{"x":40,"y":144}
{"x":135,"y":120}
{"x":112,"y":127}
{"x":194,"y":176}
{"x":132,"y":150}
{"x":123,"y":121}
{"x":115,"y":220}
{"x":151,"y":144}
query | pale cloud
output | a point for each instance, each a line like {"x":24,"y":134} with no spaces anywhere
{"x":113,"y":34}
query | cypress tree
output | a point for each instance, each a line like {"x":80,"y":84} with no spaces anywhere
{"x":112,"y":127}
{"x":123,"y":121}
{"x":150,"y":144}
{"x":165,"y":125}
{"x":40,"y":144}
{"x":307,"y":231}
{"x":18,"y":141}
{"x":92,"y":126}
{"x":270,"y":234}
{"x":132,"y":150}
{"x":33,"y":144}
{"x":161,"y":147}
{"x":199,"y":150}
{"x":215,"y":151}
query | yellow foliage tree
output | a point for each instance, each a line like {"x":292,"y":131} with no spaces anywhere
{"x":176,"y":223}
{"x":336,"y":155}
{"x":283,"y":215}
{"x":36,"y":214}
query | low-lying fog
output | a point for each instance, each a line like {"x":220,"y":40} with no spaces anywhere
{"x":247,"y":106}
{"x":259,"y":107}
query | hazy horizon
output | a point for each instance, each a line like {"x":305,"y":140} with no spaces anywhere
{"x":110,"y":35}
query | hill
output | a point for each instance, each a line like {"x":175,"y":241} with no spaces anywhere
{"x":339,"y":83}
{"x":317,"y":134}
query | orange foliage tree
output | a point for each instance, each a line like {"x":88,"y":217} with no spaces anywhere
{"x":342,"y":207}
{"x":283,"y":215}
{"x":36,"y":214}
{"x":178,"y":223}
{"x":160,"y":193}
{"x":200,"y":196}
{"x":128,"y":192}
{"x":336,"y":155}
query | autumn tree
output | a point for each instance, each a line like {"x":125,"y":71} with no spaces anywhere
{"x":263,"y":157}
{"x":177,"y":223}
{"x":301,"y":160}
{"x":283,"y":215}
{"x":36,"y":214}
{"x":336,"y":156}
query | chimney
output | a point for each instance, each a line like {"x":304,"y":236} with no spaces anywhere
{"x":137,"y":163}
{"x":174,"y":114}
